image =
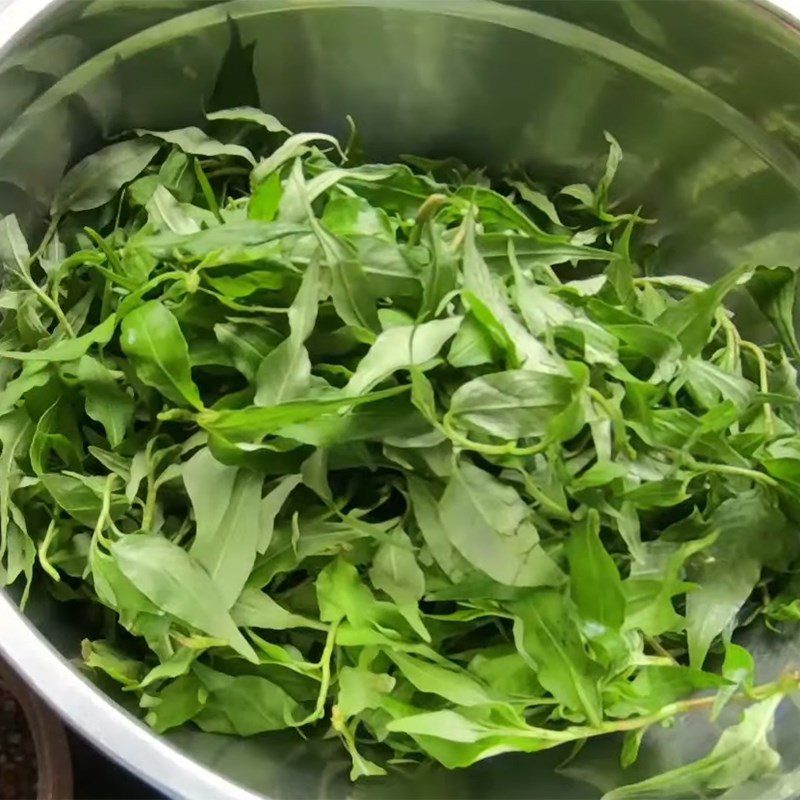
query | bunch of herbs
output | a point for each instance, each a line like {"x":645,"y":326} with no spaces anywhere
{"x":395,"y":452}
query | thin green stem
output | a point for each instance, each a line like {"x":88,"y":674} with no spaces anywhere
{"x":225,"y":171}
{"x":616,"y":419}
{"x":208,"y":192}
{"x":325,"y":666}
{"x":672,"y":281}
{"x":507,"y":449}
{"x":727,"y":469}
{"x":784,"y":685}
{"x":427,"y":211}
{"x":734,"y":341}
{"x":44,"y":547}
{"x":763,"y":380}
{"x":540,"y":497}
{"x":102,"y":517}
{"x":49,"y":234}
{"x":149,"y":504}
{"x":325,"y":678}
{"x":105,"y":507}
{"x":133,"y":299}
{"x":78,"y":259}
{"x":659,"y":648}
{"x":461,"y":233}
{"x":50,"y":303}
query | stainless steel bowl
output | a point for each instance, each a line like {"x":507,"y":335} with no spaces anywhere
{"x":702,"y":95}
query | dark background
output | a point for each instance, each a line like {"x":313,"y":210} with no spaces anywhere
{"x":99,"y":778}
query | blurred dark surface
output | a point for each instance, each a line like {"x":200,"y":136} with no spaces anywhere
{"x":99,"y":778}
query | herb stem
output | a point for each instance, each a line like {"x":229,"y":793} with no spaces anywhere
{"x":102,"y":517}
{"x":539,"y":496}
{"x":616,"y":419}
{"x":44,"y":547}
{"x":508,"y":449}
{"x":149,"y":504}
{"x":427,"y":211}
{"x":208,"y":192}
{"x":51,"y":304}
{"x":727,"y":469}
{"x":325,"y":664}
{"x":48,"y":235}
{"x":784,"y":685}
{"x":673,"y":282}
{"x":732,"y":338}
{"x":325,"y":678}
{"x":660,"y":649}
{"x":763,"y":380}
{"x":222,"y":172}
{"x":461,"y":234}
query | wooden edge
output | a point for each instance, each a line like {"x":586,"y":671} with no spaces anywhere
{"x":53,"y":759}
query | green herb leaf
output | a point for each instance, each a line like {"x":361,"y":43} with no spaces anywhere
{"x":106,"y":402}
{"x":775,"y":292}
{"x":595,"y":583}
{"x":170,"y":578}
{"x":95,"y":180}
{"x":689,"y":319}
{"x":227,"y":514}
{"x":401,"y":347}
{"x":195,"y":142}
{"x":486,"y":521}
{"x":741,"y":752}
{"x":514,"y":404}
{"x":546,"y":633}
{"x":152,"y":339}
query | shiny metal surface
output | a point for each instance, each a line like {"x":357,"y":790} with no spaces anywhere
{"x":701,"y":95}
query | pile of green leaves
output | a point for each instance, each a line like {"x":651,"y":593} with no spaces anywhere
{"x":389,"y":452}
